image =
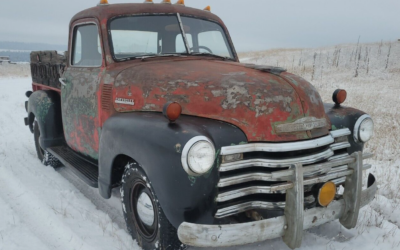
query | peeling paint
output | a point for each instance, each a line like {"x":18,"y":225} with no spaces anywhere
{"x":250,"y":99}
{"x":43,"y":104}
{"x":80,"y":110}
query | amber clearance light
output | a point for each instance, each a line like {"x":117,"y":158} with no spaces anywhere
{"x":326,"y":194}
{"x":339,"y":96}
{"x":172,"y":111}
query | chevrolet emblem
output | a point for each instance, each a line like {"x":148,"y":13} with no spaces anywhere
{"x":303,"y":124}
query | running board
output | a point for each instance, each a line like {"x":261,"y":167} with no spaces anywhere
{"x":85,"y":170}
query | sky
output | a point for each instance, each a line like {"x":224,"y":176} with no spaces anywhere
{"x":253,"y":24}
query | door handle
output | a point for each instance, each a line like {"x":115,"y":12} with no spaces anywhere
{"x":62,"y":81}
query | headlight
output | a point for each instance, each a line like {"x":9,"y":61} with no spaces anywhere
{"x":198,"y":156}
{"x":364,"y":129}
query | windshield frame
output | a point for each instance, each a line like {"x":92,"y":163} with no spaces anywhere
{"x":185,"y":41}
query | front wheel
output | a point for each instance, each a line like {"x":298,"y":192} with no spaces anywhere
{"x":144,"y":215}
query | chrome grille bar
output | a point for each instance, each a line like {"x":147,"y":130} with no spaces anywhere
{"x":316,"y":167}
{"x":328,"y":177}
{"x":340,"y":133}
{"x":278,"y":147}
{"x":236,"y":209}
{"x":339,"y":181}
{"x":225,"y":182}
{"x":340,"y":145}
{"x":287,"y":146}
{"x":243,"y":207}
{"x":270,"y":163}
{"x":231,"y":195}
{"x":337,"y":157}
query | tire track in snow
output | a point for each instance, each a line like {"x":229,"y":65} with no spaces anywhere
{"x":38,"y":217}
{"x":12,"y":228}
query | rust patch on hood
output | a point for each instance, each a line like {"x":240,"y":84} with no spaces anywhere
{"x":253,"y":100}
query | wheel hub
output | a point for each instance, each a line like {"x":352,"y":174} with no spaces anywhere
{"x":145,"y":209}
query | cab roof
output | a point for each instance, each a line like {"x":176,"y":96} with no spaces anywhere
{"x":105,"y":12}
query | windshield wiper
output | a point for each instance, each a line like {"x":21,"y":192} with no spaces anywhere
{"x":209,"y":54}
{"x":160,"y":55}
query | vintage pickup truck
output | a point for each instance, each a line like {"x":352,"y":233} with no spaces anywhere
{"x":151,"y":98}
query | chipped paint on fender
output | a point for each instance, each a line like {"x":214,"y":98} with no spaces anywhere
{"x":43,"y":104}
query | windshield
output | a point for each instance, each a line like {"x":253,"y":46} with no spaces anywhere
{"x":206,"y":37}
{"x":143,"y":36}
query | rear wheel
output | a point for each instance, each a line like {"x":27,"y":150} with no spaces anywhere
{"x":143,"y":214}
{"x":45,"y":157}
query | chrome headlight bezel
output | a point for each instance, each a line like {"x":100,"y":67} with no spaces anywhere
{"x":359,"y":125}
{"x":185,"y":155}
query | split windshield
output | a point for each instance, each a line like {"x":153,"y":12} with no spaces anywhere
{"x":146,"y":36}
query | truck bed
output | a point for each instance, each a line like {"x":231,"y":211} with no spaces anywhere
{"x":46,"y":69}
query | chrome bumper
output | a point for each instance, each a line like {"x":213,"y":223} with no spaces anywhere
{"x":296,"y":219}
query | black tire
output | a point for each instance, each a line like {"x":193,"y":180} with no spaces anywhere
{"x":45,"y":157}
{"x":161,"y":234}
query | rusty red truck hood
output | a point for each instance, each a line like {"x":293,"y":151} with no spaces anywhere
{"x":258,"y":102}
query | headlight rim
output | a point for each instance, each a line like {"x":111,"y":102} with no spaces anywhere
{"x":357,"y":126}
{"x":185,"y":154}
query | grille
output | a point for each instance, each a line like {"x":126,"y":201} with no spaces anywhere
{"x":260,"y":179}
{"x":106,"y":96}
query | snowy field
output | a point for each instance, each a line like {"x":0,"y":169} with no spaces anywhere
{"x":41,"y":208}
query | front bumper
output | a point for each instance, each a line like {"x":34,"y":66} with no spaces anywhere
{"x":296,"y":219}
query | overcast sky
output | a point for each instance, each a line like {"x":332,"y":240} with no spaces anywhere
{"x":253,"y":24}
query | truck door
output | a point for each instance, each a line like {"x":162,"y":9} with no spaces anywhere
{"x":80,"y":90}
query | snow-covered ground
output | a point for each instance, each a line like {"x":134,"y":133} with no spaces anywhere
{"x":43,"y":208}
{"x":39,"y":207}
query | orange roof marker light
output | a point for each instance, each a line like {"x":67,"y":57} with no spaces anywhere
{"x":166,"y":1}
{"x":148,"y":1}
{"x":103,"y":2}
{"x":180,"y":2}
{"x":208,"y":8}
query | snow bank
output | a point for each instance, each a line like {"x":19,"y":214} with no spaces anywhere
{"x":15,"y":70}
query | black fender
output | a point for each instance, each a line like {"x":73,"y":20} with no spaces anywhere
{"x":345,"y":117}
{"x":156,"y":145}
{"x":45,"y":106}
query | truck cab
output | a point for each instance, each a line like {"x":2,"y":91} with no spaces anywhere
{"x":151,"y":98}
